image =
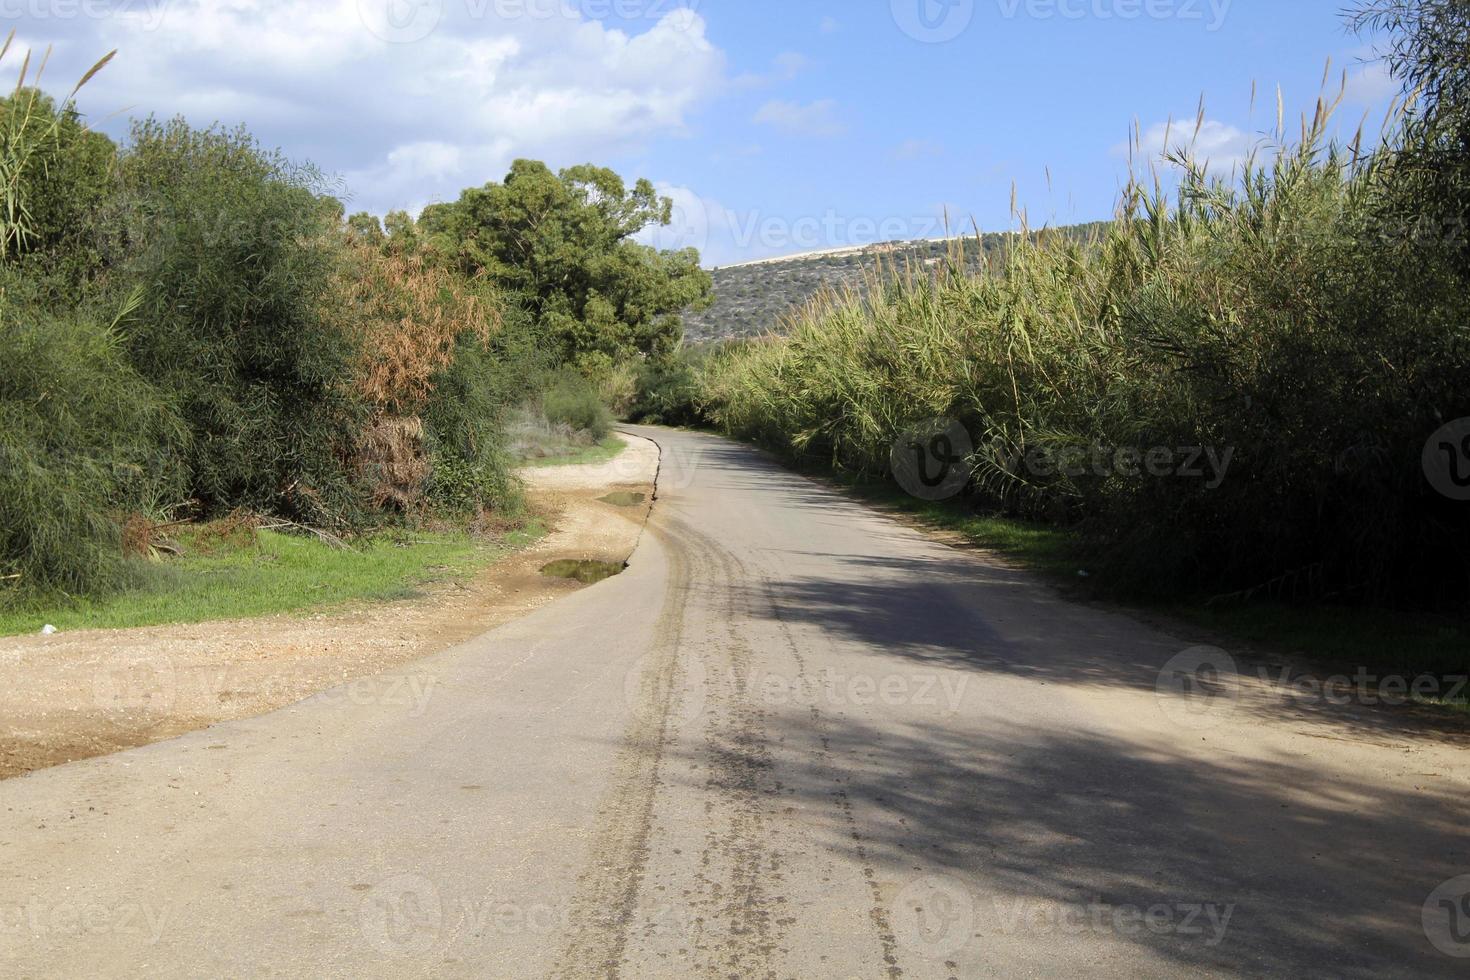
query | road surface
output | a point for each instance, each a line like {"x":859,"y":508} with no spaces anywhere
{"x":793,"y":739}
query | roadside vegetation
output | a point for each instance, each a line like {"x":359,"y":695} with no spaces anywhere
{"x":194,"y":330}
{"x":1304,"y":321}
{"x":239,"y":567}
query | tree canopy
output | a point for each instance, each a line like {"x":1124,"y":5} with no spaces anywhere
{"x":563,"y":244}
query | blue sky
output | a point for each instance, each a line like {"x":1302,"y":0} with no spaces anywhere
{"x":776,"y":127}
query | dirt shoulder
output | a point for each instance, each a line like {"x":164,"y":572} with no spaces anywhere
{"x":76,"y":695}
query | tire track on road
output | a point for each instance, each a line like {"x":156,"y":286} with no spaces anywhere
{"x":606,"y":902}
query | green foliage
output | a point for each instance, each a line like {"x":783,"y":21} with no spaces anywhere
{"x":463,"y":485}
{"x":1274,"y":320}
{"x":83,"y":441}
{"x":1428,"y":181}
{"x":466,"y":416}
{"x":245,"y":373}
{"x":669,"y":390}
{"x":572,"y":400}
{"x":562,"y":245}
{"x":36,"y":136}
{"x":64,"y":183}
{"x":365,"y":228}
{"x":237,"y":254}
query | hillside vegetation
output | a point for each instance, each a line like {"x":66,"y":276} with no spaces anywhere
{"x":756,"y":297}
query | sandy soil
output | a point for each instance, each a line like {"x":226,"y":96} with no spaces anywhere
{"x":76,"y":695}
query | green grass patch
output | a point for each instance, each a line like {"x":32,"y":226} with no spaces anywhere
{"x":231,"y":579}
{"x":1052,"y":551}
{"x":608,"y":449}
{"x":1383,"y":640}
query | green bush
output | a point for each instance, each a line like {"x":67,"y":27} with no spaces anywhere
{"x":466,"y":416}
{"x":83,"y":442}
{"x":668,"y":391}
{"x":572,"y":400}
{"x":64,"y":180}
{"x":236,"y":253}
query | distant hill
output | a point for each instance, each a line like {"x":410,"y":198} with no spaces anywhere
{"x":751,"y":298}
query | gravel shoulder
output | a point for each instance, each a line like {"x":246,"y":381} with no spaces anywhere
{"x":77,"y":695}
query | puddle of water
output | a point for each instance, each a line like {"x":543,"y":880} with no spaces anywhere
{"x":624,"y":498}
{"x":586,"y":572}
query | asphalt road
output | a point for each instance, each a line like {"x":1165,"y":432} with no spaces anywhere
{"x":793,"y":739}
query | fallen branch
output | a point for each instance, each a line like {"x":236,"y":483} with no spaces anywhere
{"x":326,"y":537}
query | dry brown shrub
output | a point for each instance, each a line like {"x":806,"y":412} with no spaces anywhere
{"x":137,"y":536}
{"x":409,"y":314}
{"x":392,"y":458}
{"x":236,"y":530}
{"x":144,"y":537}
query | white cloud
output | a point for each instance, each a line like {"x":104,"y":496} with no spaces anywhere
{"x":829,"y":25}
{"x":692,"y":221}
{"x":813,"y":119}
{"x":402,"y":121}
{"x":1371,"y":86}
{"x":1220,"y":147}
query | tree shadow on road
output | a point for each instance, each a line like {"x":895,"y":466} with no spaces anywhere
{"x":1326,"y":877}
{"x":956,"y":612}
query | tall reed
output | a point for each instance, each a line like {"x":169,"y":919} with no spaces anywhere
{"x":1274,"y":317}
